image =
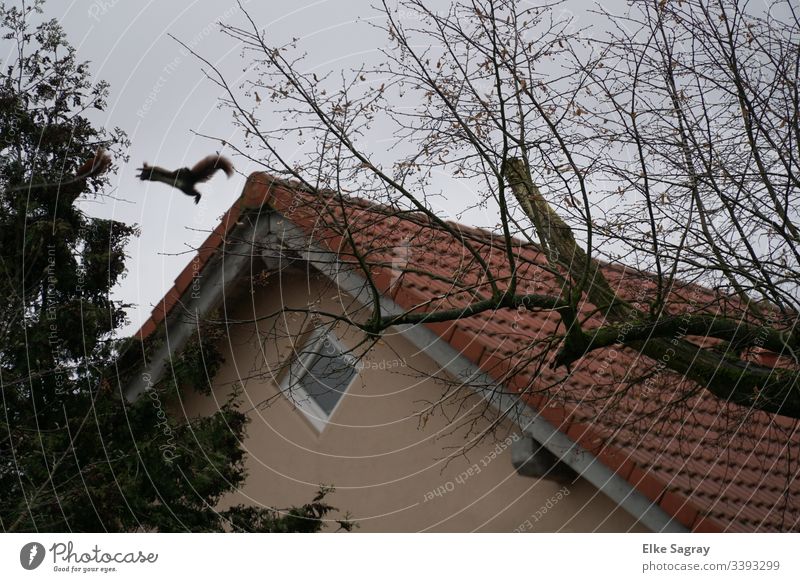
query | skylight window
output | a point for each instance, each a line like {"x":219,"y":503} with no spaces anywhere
{"x":319,"y":377}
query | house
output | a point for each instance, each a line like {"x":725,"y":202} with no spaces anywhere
{"x":449,"y":426}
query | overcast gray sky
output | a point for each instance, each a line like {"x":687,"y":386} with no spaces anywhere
{"x":159,"y":95}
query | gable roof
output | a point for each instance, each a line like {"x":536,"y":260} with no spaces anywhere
{"x":710,"y":465}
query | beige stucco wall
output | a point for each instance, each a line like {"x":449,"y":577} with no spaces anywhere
{"x":383,"y":458}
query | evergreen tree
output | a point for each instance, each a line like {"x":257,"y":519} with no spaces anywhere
{"x":74,"y":456}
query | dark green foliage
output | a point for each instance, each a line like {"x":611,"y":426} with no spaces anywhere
{"x":306,"y":519}
{"x":73,"y":455}
{"x":200,"y":359}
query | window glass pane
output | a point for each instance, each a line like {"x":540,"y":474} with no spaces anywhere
{"x":328,"y":376}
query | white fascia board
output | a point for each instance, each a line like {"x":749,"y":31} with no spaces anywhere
{"x":228,"y":262}
{"x":463,"y":369}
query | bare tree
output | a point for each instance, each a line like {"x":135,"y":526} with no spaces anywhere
{"x":667,"y":147}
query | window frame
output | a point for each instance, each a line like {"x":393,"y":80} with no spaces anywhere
{"x":297,"y":395}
